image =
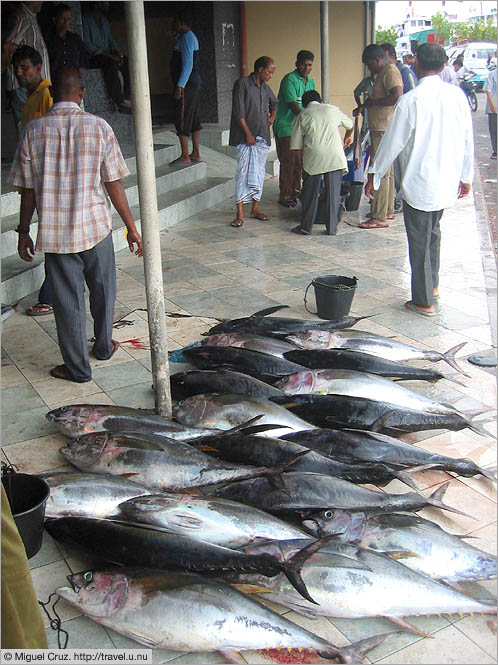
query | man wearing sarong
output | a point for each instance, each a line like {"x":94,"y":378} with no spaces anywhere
{"x":254,"y":107}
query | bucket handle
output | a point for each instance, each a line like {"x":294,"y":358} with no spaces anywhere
{"x":305,"y":303}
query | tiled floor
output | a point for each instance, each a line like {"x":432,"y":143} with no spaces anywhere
{"x":213,"y":270}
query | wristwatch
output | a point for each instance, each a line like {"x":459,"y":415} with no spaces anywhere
{"x":22,"y":232}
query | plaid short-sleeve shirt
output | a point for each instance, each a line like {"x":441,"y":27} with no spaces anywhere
{"x":66,"y":156}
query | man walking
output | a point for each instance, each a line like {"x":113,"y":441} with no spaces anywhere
{"x":316,"y":131}
{"x":65,"y":161}
{"x":431,"y":131}
{"x":491,"y":102}
{"x":254,"y":107}
{"x":292,"y":88}
{"x":185,"y":73}
{"x":387,"y":89}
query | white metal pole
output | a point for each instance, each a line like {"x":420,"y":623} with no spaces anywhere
{"x":324,"y":50}
{"x":140,"y":95}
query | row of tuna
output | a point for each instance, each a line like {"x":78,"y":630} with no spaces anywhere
{"x":254,"y":490}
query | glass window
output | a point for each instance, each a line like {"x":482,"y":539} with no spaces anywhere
{"x":414,"y":23}
{"x":421,"y":23}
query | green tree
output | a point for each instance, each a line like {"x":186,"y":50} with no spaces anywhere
{"x":460,"y":32}
{"x":442,"y":27}
{"x":481,"y":31}
{"x":386,"y":36}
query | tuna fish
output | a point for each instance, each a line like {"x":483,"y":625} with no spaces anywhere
{"x":77,"y":419}
{"x":305,"y":493}
{"x":226,"y":411}
{"x":351,"y":447}
{"x":177,"y":466}
{"x":88,"y":495}
{"x":375,"y":345}
{"x":194,"y":382}
{"x":361,"y":362}
{"x":431,"y":550}
{"x":262,"y":323}
{"x":260,"y":343}
{"x":214,"y":520}
{"x":240,"y":360}
{"x":187,"y":613}
{"x":140,"y":545}
{"x":383,"y":587}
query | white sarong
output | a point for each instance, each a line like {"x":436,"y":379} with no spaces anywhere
{"x":250,"y":172}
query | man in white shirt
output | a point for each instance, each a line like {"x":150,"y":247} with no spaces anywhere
{"x":431,"y":132}
{"x":316,"y":131}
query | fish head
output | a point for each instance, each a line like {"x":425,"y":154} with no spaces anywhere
{"x":152,"y":503}
{"x":335,"y":523}
{"x":222,"y":339}
{"x":299,"y":383}
{"x":191,"y":411}
{"x":85,"y":450}
{"x":77,"y":419}
{"x":98,"y":594}
{"x":314,"y":339}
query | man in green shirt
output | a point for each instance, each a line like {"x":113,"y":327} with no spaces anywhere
{"x":292,"y":88}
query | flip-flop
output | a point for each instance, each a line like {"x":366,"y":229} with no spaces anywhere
{"x":60,"y":372}
{"x":300,"y":231}
{"x":237,"y":223}
{"x":413,"y":308}
{"x":115,"y":347}
{"x":288,"y":203}
{"x":372,"y":225}
{"x":261,"y":216}
{"x":40,"y":309}
{"x":177,"y":162}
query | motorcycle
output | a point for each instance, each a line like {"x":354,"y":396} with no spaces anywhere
{"x":469,"y":87}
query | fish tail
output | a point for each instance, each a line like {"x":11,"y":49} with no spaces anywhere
{"x":435,"y":499}
{"x":269,"y":310}
{"x":480,"y":430}
{"x":292,"y":567}
{"x":449,"y":357}
{"x":354,"y":653}
{"x":489,"y":473}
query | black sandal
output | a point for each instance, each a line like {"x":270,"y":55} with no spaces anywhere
{"x":60,"y":372}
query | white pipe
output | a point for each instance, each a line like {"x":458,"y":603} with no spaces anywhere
{"x":325,"y":50}
{"x":140,"y":95}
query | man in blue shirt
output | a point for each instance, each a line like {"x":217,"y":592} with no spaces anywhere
{"x":185,"y":73}
{"x":105,"y":54}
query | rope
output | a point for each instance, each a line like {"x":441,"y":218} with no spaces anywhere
{"x":56,"y":622}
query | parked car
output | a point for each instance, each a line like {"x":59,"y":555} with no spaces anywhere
{"x":475,"y":58}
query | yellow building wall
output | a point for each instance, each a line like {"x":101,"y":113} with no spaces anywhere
{"x":281,"y":29}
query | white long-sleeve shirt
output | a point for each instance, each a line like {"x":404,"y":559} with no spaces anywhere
{"x":431,"y":132}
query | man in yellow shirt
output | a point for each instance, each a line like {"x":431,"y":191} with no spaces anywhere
{"x":27,"y":64}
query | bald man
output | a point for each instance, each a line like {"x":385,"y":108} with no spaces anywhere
{"x":65,"y":162}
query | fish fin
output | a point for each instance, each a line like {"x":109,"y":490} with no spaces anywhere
{"x":406,"y":478}
{"x":138,"y":637}
{"x":292,"y":567}
{"x":257,"y":429}
{"x":489,"y":473}
{"x":400,"y":554}
{"x":205,"y":448}
{"x":480,"y":430}
{"x":128,"y":475}
{"x":402,"y":622}
{"x":435,"y":499}
{"x":453,"y":380}
{"x":189,"y":490}
{"x":275,"y":476}
{"x":449,"y":357}
{"x":457,"y":587}
{"x":268,"y":311}
{"x":251,"y":588}
{"x":355,"y":652}
{"x":243,"y":425}
{"x":232,"y":656}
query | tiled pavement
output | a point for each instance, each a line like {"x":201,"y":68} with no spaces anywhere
{"x":213,"y":270}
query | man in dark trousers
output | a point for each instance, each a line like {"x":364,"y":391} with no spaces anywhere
{"x":316,"y":131}
{"x":431,"y":132}
{"x":186,"y":76}
{"x":65,"y":162}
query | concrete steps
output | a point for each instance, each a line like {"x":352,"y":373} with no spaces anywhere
{"x":182,"y":191}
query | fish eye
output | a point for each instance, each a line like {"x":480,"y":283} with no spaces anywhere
{"x":88,"y":576}
{"x":63,"y":409}
{"x":328,"y":514}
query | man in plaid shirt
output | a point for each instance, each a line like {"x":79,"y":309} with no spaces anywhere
{"x":65,"y":162}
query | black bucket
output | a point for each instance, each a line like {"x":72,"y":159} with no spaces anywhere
{"x":333,"y":296}
{"x":27,"y":497}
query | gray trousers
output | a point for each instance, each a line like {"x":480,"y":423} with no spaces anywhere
{"x":310,"y":194}
{"x":67,"y":274}
{"x":424,"y":242}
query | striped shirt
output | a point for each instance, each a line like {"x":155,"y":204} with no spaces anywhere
{"x":66,"y":156}
{"x":26,"y":32}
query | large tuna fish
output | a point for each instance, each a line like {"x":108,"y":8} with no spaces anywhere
{"x":383,"y":587}
{"x":309,"y":492}
{"x":351,"y":447}
{"x":141,"y":545}
{"x":372,"y":343}
{"x":187,"y":613}
{"x":88,"y":495}
{"x":77,"y":419}
{"x":177,"y":466}
{"x":208,"y":518}
{"x":262,"y":323}
{"x":197,"y":381}
{"x":431,"y":550}
{"x":240,"y":360}
{"x":226,"y":411}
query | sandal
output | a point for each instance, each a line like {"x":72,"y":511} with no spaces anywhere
{"x":412,"y":307}
{"x":300,"y":231}
{"x":237,"y":222}
{"x":373,"y":225}
{"x":40,"y":309}
{"x":288,"y":203}
{"x":60,"y":372}
{"x":115,"y":347}
{"x":261,"y":216}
